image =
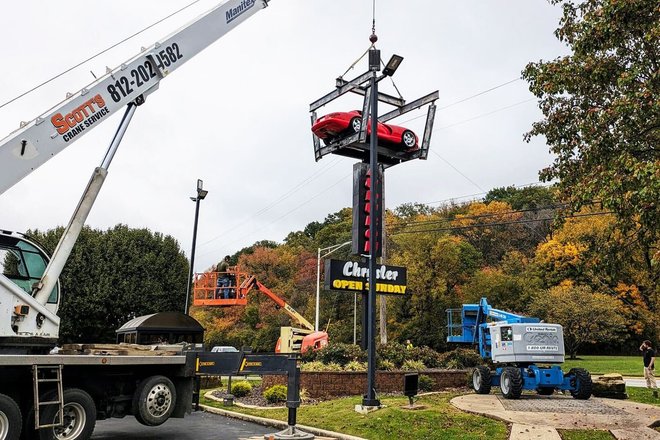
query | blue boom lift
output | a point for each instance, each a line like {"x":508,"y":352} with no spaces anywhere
{"x":515,"y":344}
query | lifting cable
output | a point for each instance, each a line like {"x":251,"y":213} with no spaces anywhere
{"x":372,"y":39}
{"x":96,"y":55}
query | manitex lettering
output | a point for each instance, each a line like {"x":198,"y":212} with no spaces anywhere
{"x":233,"y":13}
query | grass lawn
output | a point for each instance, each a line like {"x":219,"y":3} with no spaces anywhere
{"x":439,"y":420}
{"x":625,"y":365}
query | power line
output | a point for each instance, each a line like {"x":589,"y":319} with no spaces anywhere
{"x":96,"y":55}
{"x":287,"y":213}
{"x":283,"y":197}
{"x":458,"y":171}
{"x":488,"y":225}
{"x":472,"y":217}
{"x":451,"y":199}
{"x":483,"y":92}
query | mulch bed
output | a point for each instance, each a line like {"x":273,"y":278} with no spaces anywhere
{"x":256,"y":398}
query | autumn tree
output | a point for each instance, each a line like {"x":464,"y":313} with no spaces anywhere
{"x":587,"y":317}
{"x":602,"y":113}
{"x":493,"y":228}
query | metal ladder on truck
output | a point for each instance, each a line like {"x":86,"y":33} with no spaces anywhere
{"x":52,"y":375}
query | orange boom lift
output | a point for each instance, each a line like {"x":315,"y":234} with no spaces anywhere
{"x":207,"y":292}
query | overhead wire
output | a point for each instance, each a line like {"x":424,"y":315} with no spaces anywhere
{"x":488,"y":225}
{"x":96,"y":55}
{"x":274,"y":203}
{"x":286,"y":214}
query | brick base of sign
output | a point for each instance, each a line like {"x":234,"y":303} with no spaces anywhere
{"x":348,"y":383}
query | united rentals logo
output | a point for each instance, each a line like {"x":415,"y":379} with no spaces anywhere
{"x":233,"y":13}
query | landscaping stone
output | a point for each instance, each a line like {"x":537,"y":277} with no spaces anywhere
{"x":611,"y":386}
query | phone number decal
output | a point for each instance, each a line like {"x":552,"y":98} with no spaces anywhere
{"x":142,"y":74}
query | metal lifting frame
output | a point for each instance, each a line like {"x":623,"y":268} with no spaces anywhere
{"x":355,"y":144}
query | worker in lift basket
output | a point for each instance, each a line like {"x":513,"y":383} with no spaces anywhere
{"x":649,"y":365}
{"x":223,"y":278}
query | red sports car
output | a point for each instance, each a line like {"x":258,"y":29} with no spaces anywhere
{"x":337,"y":125}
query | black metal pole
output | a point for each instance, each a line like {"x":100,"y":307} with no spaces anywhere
{"x":192,"y":256}
{"x":370,"y":398}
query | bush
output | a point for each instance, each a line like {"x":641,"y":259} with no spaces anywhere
{"x":332,"y":366}
{"x":355,"y":366}
{"x":276,"y":393}
{"x":386,"y":365}
{"x":413,"y":366}
{"x":460,"y":359}
{"x":427,"y":355}
{"x":340,"y":354}
{"x":393,"y":352}
{"x":426,"y":383}
{"x":312,"y":366}
{"x":241,"y":389}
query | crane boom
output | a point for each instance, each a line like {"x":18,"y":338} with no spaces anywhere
{"x":37,"y":141}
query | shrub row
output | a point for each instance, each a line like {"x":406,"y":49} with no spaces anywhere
{"x":391,"y":356}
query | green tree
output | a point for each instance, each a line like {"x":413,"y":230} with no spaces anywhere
{"x":602,"y":112}
{"x":115,"y":275}
{"x":586,"y":316}
{"x":529,"y":197}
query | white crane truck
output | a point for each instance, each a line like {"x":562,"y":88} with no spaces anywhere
{"x":49,"y":396}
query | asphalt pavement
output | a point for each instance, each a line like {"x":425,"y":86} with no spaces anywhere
{"x":196,"y":426}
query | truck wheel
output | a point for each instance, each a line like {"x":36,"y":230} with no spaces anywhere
{"x":545,"y":391}
{"x":511,"y":383}
{"x":582,"y":382}
{"x":481,"y":380}
{"x":154,"y":400}
{"x":11,"y":421}
{"x":79,"y":416}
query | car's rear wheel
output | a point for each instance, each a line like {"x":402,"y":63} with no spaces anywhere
{"x":408,"y":139}
{"x":355,"y":124}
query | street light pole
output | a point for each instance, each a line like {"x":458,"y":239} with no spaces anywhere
{"x":201,"y":193}
{"x":332,"y":249}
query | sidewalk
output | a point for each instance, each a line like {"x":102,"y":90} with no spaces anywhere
{"x":539,"y":417}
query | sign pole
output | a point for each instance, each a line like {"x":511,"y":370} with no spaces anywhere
{"x":370,"y":398}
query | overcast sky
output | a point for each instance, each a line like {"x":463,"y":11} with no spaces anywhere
{"x":237,"y":115}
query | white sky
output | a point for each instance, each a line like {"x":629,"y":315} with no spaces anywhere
{"x":237,"y":115}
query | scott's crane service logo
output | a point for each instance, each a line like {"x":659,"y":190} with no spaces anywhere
{"x":233,"y":13}
{"x":81,"y":117}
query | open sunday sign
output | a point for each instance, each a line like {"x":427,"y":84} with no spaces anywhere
{"x":354,"y":277}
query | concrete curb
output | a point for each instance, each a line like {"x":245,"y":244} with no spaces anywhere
{"x":278,"y":424}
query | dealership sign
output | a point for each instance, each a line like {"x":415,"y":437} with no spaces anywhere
{"x":354,"y":277}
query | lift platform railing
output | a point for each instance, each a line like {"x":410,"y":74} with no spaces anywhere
{"x":208,"y":292}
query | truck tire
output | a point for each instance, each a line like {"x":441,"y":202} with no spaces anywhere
{"x":511,"y":383}
{"x":154,"y":400}
{"x":79,"y":416}
{"x":481,"y":380}
{"x":11,"y":421}
{"x":581,"y":380}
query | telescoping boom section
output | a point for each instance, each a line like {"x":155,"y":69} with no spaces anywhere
{"x":38,"y":140}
